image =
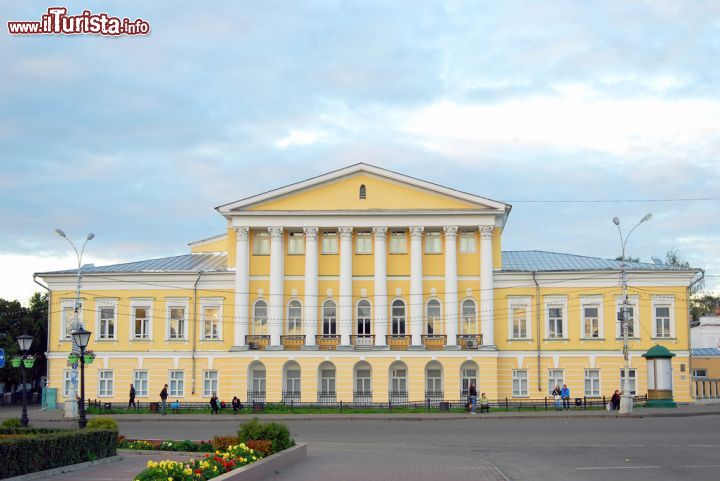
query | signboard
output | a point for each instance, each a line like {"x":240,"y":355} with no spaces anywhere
{"x":2,"y":358}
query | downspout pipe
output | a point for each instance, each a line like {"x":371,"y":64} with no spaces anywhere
{"x":537,"y":328}
{"x":195,"y":319}
{"x":689,"y":288}
{"x":49,"y":325}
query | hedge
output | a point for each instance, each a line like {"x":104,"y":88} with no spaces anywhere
{"x":45,"y":449}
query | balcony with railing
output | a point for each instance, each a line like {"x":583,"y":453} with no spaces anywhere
{"x":326,"y":397}
{"x":362,"y":341}
{"x":258,"y":341}
{"x":398,"y":397}
{"x":292,"y":342}
{"x":434,"y":342}
{"x":256,"y":396}
{"x":291,"y":397}
{"x":398,"y":342}
{"x":362,"y":397}
{"x":469,"y":341}
{"x":327,"y":342}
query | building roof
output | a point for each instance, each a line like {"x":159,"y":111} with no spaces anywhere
{"x":528,"y":261}
{"x":706,"y":352}
{"x":512,"y":261}
{"x":657,"y":352}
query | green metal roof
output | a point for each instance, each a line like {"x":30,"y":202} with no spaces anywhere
{"x":658,"y":351}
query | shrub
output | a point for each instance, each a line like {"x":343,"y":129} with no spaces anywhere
{"x":103,"y":423}
{"x":277,"y":433}
{"x":220,"y":443}
{"x":11,"y":423}
{"x":261,"y":446}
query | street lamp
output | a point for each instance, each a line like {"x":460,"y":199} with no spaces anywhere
{"x":626,"y":401}
{"x":82,"y":338}
{"x":24,"y":342}
{"x":70,"y":406}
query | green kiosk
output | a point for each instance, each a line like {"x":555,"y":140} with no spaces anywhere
{"x":659,"y":373}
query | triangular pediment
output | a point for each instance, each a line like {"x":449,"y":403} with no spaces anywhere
{"x":384,"y":191}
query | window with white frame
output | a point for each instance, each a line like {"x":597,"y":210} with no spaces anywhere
{"x":106,"y":321}
{"x":699,"y":372}
{"x":296,"y":243}
{"x":468,"y":378}
{"x":329,"y":318}
{"x":398,"y":242}
{"x":177,"y":383}
{"x":469,"y":317}
{"x":556,"y":378}
{"x":433,"y":243}
{"x":363,"y":383}
{"x":662,"y":326}
{"x":555,"y":310}
{"x":520,"y":382}
{"x":67,"y":382}
{"x":631,"y":380}
{"x":433,"y":381}
{"x":176,"y":322}
{"x":105,"y":383}
{"x":211,"y":322}
{"x":519,"y":320}
{"x":363,"y":243}
{"x":260,"y":317}
{"x":258,"y":380}
{"x":327,"y":381}
{"x":363,"y":318}
{"x":210,"y":383}
{"x":591,"y":321}
{"x":592,"y":382}
{"x":398,"y":318}
{"x":398,"y":381}
{"x":467,"y":242}
{"x":632,"y":316}
{"x":141,"y":316}
{"x":294,"y":319}
{"x":330,"y":243}
{"x":261,"y":244}
{"x":68,"y":317}
{"x":292,"y":381}
{"x":140,"y":381}
{"x":432,"y":323}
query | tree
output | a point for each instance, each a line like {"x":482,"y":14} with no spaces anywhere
{"x":16,"y":320}
{"x":702,"y":305}
{"x":672,"y":258}
{"x":628,"y":259}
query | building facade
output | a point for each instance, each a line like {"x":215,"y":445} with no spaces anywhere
{"x":366,"y":285}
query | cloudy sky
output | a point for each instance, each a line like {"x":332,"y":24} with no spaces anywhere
{"x":137,"y":139}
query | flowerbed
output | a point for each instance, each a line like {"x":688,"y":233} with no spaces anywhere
{"x":167,"y":445}
{"x":213,"y":465}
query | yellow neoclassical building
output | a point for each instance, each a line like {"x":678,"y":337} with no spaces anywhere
{"x":363,"y":284}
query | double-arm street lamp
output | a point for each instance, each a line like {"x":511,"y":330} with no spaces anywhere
{"x":24,"y":342}
{"x":626,"y":401}
{"x":81,"y":337}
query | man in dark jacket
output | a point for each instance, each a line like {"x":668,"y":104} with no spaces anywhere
{"x":131,"y":403}
{"x":163,"y":398}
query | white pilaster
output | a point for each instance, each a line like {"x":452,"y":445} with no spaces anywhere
{"x":487,"y":308}
{"x":310,"y":310}
{"x":416,"y":285}
{"x":345,"y":315}
{"x":277,"y":274}
{"x":380,"y":309}
{"x":451,"y":284}
{"x":242,"y":286}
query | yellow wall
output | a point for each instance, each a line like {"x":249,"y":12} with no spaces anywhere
{"x":219,"y":245}
{"x":711,"y":364}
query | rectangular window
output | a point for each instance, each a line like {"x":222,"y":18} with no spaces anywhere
{"x":363,"y":243}
{"x":662,"y":321}
{"x":296,"y":244}
{"x":68,"y":318}
{"x":177,"y":384}
{"x":556,"y":378}
{"x":630,"y":312}
{"x":519,"y":326}
{"x":695,"y":372}
{"x":210,"y":383}
{"x":211,"y":322}
{"x":141,"y":322}
{"x":177,"y":322}
{"x":592,"y":382}
{"x":632,"y":378}
{"x":140,"y":381}
{"x":467,"y":242}
{"x":107,"y":322}
{"x":432,"y":243}
{"x":67,"y":383}
{"x":520,"y":383}
{"x":105,"y":383}
{"x":555,"y":322}
{"x":261,"y":246}
{"x":398,"y":243}
{"x":591,"y":322}
{"x":329,"y":243}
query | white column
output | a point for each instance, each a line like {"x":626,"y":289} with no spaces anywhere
{"x":345,"y":314}
{"x":451,"y":284}
{"x":277,"y":274}
{"x":487,"y":307}
{"x":416,"y":285}
{"x":242,"y":286}
{"x":310,"y":310}
{"x":380,"y":309}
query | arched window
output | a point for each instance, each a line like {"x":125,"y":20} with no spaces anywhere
{"x":398,"y":382}
{"x":468,"y":376}
{"x":469,"y":316}
{"x":294,"y":317}
{"x":363,"y":382}
{"x":327,"y":382}
{"x":256,"y":386}
{"x":329,"y":318}
{"x":433,"y":382}
{"x":291,"y":388}
{"x":260,"y":317}
{"x":398,"y":318}
{"x":433,"y":317}
{"x":363,"y":192}
{"x":363,"y":318}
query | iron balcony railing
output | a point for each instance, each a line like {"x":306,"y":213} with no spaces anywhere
{"x":362,"y":396}
{"x":256,"y":396}
{"x":362,"y":341}
{"x":398,"y":397}
{"x":291,"y":396}
{"x":326,"y":396}
{"x":434,"y":397}
{"x":469,"y":341}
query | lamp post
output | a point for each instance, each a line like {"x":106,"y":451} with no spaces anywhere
{"x":81,"y":337}
{"x":70,"y":403}
{"x":24,"y":342}
{"x":626,"y":400}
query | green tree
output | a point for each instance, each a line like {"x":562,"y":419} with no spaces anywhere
{"x":16,"y":320}
{"x":672,"y":258}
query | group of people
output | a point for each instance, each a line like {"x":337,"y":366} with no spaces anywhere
{"x":215,"y":403}
{"x":473,"y":401}
{"x":561,"y":397}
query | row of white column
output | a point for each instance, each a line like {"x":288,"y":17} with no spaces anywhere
{"x":345,"y":305}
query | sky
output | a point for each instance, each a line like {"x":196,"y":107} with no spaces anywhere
{"x":137,"y":139}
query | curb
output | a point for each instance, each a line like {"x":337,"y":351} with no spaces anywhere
{"x":63,"y":469}
{"x":268,"y":467}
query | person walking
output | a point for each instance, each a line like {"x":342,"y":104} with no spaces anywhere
{"x":131,"y":403}
{"x":473,"y":398}
{"x":163,"y":399}
{"x":214,"y":404}
{"x":565,"y":395}
{"x":557,"y":395}
{"x":236,"y":404}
